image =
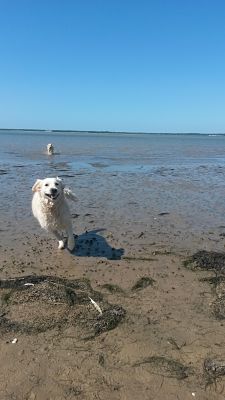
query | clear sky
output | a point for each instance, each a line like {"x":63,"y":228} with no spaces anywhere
{"x":124,"y":65}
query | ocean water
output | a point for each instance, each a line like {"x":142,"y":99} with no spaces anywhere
{"x":114,"y":150}
{"x":129,"y":175}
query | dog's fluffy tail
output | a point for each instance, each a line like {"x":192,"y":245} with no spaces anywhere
{"x":69,"y":194}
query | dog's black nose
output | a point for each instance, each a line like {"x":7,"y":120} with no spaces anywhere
{"x":53,"y":191}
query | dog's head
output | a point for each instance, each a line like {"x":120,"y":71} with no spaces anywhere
{"x":49,"y":188}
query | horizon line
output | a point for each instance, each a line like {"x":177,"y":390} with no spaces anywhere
{"x":109,"y":131}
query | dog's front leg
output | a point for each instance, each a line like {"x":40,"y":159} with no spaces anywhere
{"x":70,"y":241}
{"x":60,"y":239}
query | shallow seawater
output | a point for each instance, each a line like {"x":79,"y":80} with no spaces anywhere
{"x":129,"y":176}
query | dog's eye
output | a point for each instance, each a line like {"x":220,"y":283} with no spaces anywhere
{"x":46,"y":184}
{"x":56,"y":184}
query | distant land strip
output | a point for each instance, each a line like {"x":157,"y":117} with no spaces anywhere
{"x":106,"y":131}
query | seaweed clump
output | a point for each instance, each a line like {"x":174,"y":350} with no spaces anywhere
{"x":207,"y":260}
{"x":143,"y":282}
{"x":112,"y":288}
{"x":215,"y":262}
{"x":219,"y":308}
{"x":110,"y":319}
{"x":168,"y":367}
{"x":35,"y":304}
{"x":213,"y":369}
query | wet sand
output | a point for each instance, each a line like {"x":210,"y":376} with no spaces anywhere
{"x":128,"y":228}
{"x":171,"y":318}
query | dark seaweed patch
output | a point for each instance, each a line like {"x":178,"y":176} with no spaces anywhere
{"x":207,"y":260}
{"x":3,"y":172}
{"x":160,"y":365}
{"x":112,"y":288}
{"x":110,"y":319}
{"x":74,"y":215}
{"x":5,"y":298}
{"x":213,"y":280}
{"x":138,"y":258}
{"x":143,"y":282}
{"x":218,"y":284}
{"x":66,"y":176}
{"x":49,"y":302}
{"x":219,"y":308}
{"x":213,"y":369}
{"x":163,"y":213}
{"x":212,"y":261}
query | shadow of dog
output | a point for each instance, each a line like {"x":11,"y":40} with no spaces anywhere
{"x":91,"y":244}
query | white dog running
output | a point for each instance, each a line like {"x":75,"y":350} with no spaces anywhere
{"x":50,"y":207}
{"x":50,"y":149}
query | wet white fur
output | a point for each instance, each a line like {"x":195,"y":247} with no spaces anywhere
{"x":50,"y":149}
{"x":53,"y":214}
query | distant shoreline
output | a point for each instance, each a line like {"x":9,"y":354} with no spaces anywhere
{"x":49,"y":131}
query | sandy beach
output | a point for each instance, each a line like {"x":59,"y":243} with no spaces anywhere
{"x":134,"y":232}
{"x":116,"y":107}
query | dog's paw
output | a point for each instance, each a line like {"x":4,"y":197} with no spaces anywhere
{"x":61,"y":244}
{"x":71,"y":243}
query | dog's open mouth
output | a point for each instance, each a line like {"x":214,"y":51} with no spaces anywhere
{"x":52,"y":196}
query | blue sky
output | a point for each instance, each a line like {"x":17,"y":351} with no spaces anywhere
{"x":152,"y":66}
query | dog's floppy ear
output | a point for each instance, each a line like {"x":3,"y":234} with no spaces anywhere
{"x":61,"y":181}
{"x":37,"y":185}
{"x":69,"y":194}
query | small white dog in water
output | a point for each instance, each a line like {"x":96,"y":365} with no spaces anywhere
{"x":50,"y":149}
{"x":50,"y":207}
